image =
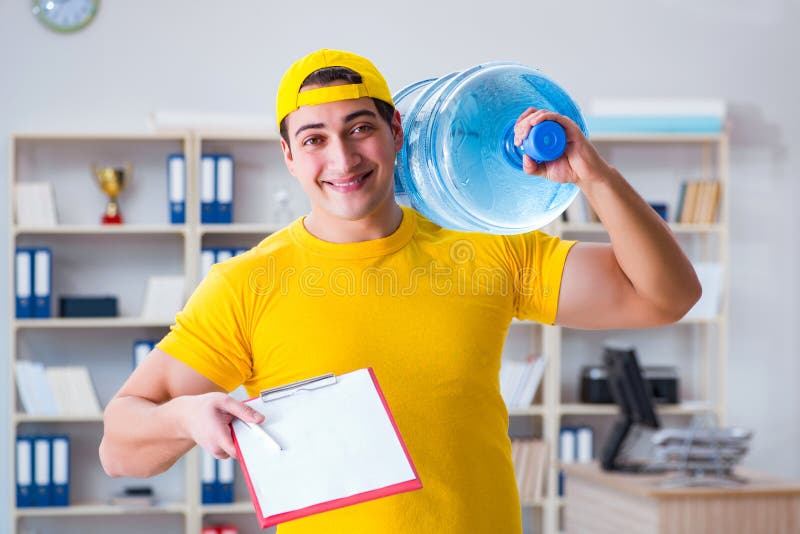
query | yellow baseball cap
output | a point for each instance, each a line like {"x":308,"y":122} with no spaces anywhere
{"x":290,"y":98}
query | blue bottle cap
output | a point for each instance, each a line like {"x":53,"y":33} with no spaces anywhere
{"x":545,"y":142}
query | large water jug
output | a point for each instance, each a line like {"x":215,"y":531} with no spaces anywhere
{"x":459,"y":166}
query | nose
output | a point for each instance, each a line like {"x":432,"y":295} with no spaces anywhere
{"x":342,"y":156}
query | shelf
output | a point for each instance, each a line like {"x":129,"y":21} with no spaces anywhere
{"x":530,"y":410}
{"x":28,"y":418}
{"x":242,"y":135}
{"x":240,"y":507}
{"x":89,"y":322}
{"x":678,"y":228}
{"x":98,"y":136}
{"x":240,"y":228}
{"x":523,"y":322}
{"x":95,"y":509}
{"x":701,"y":320}
{"x":684,"y":408}
{"x":88,"y":229}
{"x":656,"y":137}
{"x":536,"y":503}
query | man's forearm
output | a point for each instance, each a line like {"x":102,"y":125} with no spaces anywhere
{"x":643,"y":244}
{"x":141,"y":438}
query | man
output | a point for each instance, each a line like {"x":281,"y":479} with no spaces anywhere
{"x":363,"y":282}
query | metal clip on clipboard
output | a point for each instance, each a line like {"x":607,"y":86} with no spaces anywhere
{"x":301,"y":385}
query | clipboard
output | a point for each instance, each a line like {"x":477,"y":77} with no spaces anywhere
{"x":334,"y":444}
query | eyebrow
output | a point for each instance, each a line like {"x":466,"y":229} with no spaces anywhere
{"x":348,"y":118}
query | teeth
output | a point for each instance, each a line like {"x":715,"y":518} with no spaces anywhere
{"x":347,"y":184}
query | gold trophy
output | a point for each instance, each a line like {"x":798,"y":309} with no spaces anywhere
{"x":112,"y":181}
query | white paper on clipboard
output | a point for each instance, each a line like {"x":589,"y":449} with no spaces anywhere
{"x":340,"y":446}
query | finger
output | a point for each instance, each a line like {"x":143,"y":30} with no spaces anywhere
{"x":224,"y":444}
{"x":531,"y":167}
{"x":242,"y":411}
{"x":219,"y":453}
{"x":523,"y":127}
{"x":525,"y":114}
{"x":229,"y":448}
{"x":571,"y":127}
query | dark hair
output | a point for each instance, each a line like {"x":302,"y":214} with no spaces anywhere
{"x":328,"y":75}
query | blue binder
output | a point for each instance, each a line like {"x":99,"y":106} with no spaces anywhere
{"x":60,"y":470}
{"x":225,"y":476}
{"x":208,"y":477}
{"x":42,"y":480}
{"x":23,"y":278}
{"x":224,"y":188}
{"x":24,"y":472}
{"x":42,"y":277}
{"x":223,"y":254}
{"x":208,"y":186}
{"x":176,"y":188}
{"x":208,"y":257}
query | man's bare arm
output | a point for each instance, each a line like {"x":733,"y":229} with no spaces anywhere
{"x":161,"y":412}
{"x":642,"y":278}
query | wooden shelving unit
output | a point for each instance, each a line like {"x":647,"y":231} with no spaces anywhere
{"x":103,"y":345}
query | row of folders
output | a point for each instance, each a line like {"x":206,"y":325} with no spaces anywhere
{"x":42,"y":471}
{"x":217,"y":478}
{"x":33,"y":273}
{"x":216,"y":188}
{"x":33,"y":276}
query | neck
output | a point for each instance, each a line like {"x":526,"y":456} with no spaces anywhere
{"x":334,"y":230}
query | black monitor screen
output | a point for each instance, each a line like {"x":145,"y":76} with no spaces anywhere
{"x":628,"y":387}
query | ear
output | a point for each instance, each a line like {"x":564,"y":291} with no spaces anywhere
{"x":397,"y":131}
{"x":288,"y":159}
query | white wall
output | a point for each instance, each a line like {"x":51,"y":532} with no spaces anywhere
{"x":143,"y":55}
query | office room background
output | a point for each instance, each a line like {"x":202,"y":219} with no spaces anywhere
{"x":146,"y":55}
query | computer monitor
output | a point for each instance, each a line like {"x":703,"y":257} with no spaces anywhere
{"x":634,"y":397}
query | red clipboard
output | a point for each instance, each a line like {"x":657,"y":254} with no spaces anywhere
{"x":339,"y":445}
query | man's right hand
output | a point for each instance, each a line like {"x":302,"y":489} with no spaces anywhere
{"x":162,"y":411}
{"x":206,"y":419}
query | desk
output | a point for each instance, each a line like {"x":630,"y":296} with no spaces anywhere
{"x":598,"y":502}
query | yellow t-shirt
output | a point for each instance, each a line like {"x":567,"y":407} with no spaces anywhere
{"x":428,"y":309}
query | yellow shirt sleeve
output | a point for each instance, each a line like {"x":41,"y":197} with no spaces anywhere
{"x":211,"y":334}
{"x":539,"y":265}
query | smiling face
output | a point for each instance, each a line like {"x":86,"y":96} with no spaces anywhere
{"x":343,"y":154}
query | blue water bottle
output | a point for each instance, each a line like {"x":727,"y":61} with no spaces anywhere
{"x":459,"y":165}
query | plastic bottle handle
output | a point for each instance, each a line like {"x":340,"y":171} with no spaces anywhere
{"x":545,"y":142}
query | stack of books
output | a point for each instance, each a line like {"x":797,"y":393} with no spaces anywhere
{"x":520,"y":380}
{"x":530,"y":467}
{"x":698,"y":202}
{"x":51,"y":391}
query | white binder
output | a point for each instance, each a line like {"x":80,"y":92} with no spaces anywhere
{"x":41,"y":471}
{"x":224,"y":189}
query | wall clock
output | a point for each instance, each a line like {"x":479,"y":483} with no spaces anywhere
{"x":65,"y":15}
